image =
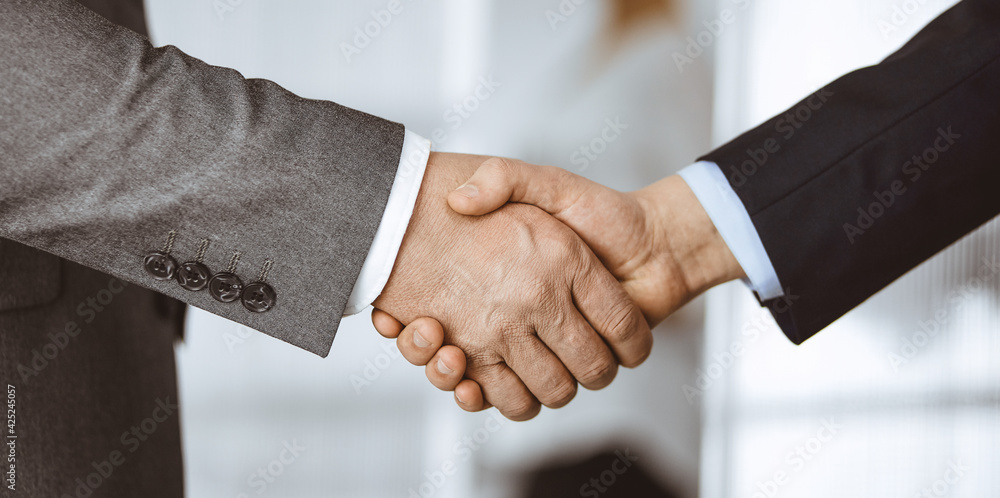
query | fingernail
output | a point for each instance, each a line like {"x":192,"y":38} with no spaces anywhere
{"x":419,"y":339}
{"x":468,"y":190}
{"x":443,"y":368}
{"x":459,"y":398}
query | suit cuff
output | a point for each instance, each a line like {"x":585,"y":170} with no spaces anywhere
{"x":396,"y":217}
{"x":733,"y":222}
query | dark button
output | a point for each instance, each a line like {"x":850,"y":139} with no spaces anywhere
{"x":225,"y":287}
{"x":160,"y":266}
{"x":193,"y":276}
{"x":259,"y":297}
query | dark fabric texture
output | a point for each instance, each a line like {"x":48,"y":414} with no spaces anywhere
{"x":86,"y":368}
{"x":28,"y":277}
{"x":845,"y":149}
{"x":109,"y":143}
{"x":127,"y":13}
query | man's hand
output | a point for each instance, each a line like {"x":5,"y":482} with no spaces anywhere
{"x":517,"y":291}
{"x":659,"y":241}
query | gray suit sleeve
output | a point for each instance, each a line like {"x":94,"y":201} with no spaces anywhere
{"x":108,"y":144}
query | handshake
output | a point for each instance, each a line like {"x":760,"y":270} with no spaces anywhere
{"x":516,"y":282}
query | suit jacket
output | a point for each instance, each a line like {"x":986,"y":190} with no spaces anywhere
{"x":877,"y":171}
{"x":107,"y":145}
{"x":110,"y":144}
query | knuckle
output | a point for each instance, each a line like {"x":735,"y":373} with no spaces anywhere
{"x":581,"y":345}
{"x":567,"y":244}
{"x":523,"y":408}
{"x":482,"y":366}
{"x":563,"y":253}
{"x":561,"y":179}
{"x":554,"y":316}
{"x":574,"y":344}
{"x":599,"y":374}
{"x":623,"y":324}
{"x":558,"y":175}
{"x":560,"y":394}
{"x":501,"y":325}
{"x":510,"y":337}
{"x":501,"y":166}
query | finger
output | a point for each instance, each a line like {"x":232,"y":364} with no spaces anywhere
{"x":420,"y":340}
{"x":609,"y":310}
{"x":581,"y":350}
{"x":446,"y":368}
{"x":469,"y":396}
{"x":503,"y":389}
{"x":500,"y":180}
{"x":542,"y":372}
{"x":385,"y":324}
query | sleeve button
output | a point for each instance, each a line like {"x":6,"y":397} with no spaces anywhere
{"x":160,"y":266}
{"x":259,"y":297}
{"x":193,"y":276}
{"x":225,"y":287}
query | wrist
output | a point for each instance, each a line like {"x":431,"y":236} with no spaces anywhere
{"x":682,"y":229}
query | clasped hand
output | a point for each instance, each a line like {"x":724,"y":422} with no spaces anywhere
{"x":526,"y":280}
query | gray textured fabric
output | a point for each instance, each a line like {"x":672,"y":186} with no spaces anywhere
{"x":108,"y":143}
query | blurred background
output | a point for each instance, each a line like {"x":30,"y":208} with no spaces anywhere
{"x":899,"y":398}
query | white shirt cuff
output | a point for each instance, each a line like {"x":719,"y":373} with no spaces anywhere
{"x":733,"y":222}
{"x":396,"y":217}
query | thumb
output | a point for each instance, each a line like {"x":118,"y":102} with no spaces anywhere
{"x":500,"y":180}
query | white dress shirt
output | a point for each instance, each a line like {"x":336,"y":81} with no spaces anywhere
{"x":733,"y":222}
{"x":396,"y":217}
{"x":705,"y":179}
